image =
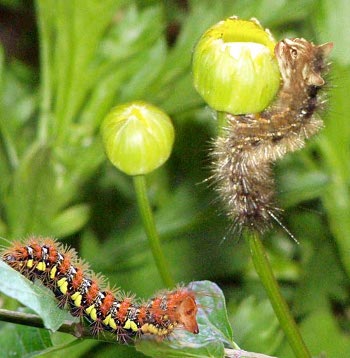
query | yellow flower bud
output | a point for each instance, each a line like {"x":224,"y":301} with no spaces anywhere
{"x":234,"y":67}
{"x":138,"y":137}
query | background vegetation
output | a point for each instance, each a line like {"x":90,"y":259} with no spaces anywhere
{"x":55,"y":179}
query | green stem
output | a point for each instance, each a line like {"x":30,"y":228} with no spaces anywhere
{"x":221,"y":122}
{"x":32,"y":320}
{"x":77,"y":329}
{"x":43,"y":10}
{"x":264,"y":270}
{"x":150,"y":228}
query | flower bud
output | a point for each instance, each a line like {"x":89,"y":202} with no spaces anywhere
{"x":234,"y":67}
{"x":138,"y":137}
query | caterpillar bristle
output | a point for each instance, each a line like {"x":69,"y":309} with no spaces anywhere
{"x":245,"y":151}
{"x":88,"y":295}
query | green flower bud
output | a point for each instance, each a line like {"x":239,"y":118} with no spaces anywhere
{"x":138,"y":137}
{"x":234,"y":67}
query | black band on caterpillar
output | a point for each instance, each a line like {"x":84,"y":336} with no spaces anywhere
{"x":76,"y":287}
{"x":243,"y":155}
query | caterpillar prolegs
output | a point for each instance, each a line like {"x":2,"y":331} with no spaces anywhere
{"x":85,"y":295}
{"x":244,"y":153}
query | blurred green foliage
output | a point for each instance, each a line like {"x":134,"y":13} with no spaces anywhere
{"x":55,"y":179}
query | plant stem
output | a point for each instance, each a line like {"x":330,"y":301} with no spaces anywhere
{"x":43,"y":9}
{"x":33,"y":320}
{"x":150,"y":228}
{"x":77,"y":329}
{"x":264,"y":270}
{"x":221,"y":122}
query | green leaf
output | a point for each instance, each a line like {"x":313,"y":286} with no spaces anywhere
{"x":36,"y":297}
{"x":322,"y":336}
{"x":330,"y":21}
{"x":274,"y":12}
{"x":27,"y":205}
{"x":310,"y":294}
{"x":71,"y":220}
{"x":80,"y":27}
{"x":298,"y":186}
{"x":214,"y":329}
{"x":334,"y":146}
{"x":153,"y":60}
{"x":257,"y":326}
{"x":135,"y":32}
{"x":178,"y":62}
{"x":22,"y":341}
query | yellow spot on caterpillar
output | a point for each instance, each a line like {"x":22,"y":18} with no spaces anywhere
{"x":112,"y":324}
{"x":64,"y":288}
{"x":53,"y":272}
{"x":144,"y":328}
{"x":91,"y":311}
{"x":133,"y":326}
{"x":77,"y":302}
{"x":41,"y":266}
{"x":151,"y":329}
{"x":93,"y":314}
{"x":106,"y":320}
{"x":30,"y":263}
{"x":127,"y":324}
{"x":63,"y":285}
{"x":61,"y":281}
{"x":77,"y":297}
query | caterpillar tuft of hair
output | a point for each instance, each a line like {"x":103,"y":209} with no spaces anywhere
{"x":85,"y":294}
{"x":243,"y":155}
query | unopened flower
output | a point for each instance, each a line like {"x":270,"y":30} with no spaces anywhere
{"x":234,"y":67}
{"x":138,"y":137}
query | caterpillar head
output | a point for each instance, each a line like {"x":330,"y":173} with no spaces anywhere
{"x":186,"y":314}
{"x":301,"y":62}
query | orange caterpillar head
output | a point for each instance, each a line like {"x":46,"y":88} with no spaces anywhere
{"x":186,"y":310}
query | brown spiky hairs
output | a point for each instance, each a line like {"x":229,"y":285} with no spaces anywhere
{"x":243,"y":155}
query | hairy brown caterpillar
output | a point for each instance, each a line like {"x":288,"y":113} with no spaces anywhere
{"x":244,"y":153}
{"x":86,"y":296}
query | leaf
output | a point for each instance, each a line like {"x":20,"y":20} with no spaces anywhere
{"x":330,"y":21}
{"x":134,"y":33}
{"x":322,"y":336}
{"x":36,"y":297}
{"x":27,"y":202}
{"x":153,"y":59}
{"x":298,"y":186}
{"x":275,"y":12}
{"x":23,"y":341}
{"x":310,"y":293}
{"x":334,"y":146}
{"x":214,"y":329}
{"x":71,"y":220}
{"x":257,"y":326}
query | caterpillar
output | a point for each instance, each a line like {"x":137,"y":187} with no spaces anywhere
{"x":86,"y":295}
{"x":243,"y":155}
